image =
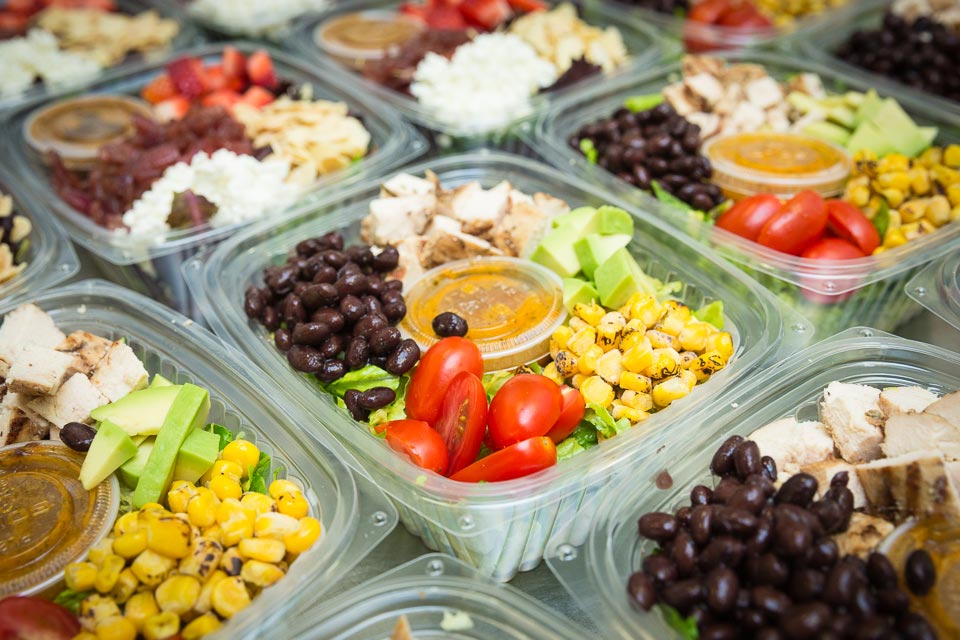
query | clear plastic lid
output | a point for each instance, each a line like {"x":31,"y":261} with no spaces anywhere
{"x":937,"y":288}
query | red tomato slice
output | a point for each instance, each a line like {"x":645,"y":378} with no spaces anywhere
{"x":747,"y":217}
{"x":436,"y":369}
{"x":516,"y":461}
{"x":849,"y":223}
{"x":463,"y":420}
{"x":800,"y":223}
{"x":526,"y":406}
{"x":744,"y":16}
{"x":709,"y":11}
{"x":570,"y":414}
{"x":33,"y":618}
{"x":833,"y":249}
{"x":419,"y":442}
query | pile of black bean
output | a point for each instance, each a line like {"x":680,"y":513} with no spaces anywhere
{"x":922,"y":54}
{"x":747,"y":560}
{"x":671,"y":7}
{"x":656,"y":144}
{"x":332,"y":310}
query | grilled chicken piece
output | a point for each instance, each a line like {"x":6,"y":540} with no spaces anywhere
{"x":87,"y":351}
{"x":549,"y":205}
{"x":119,"y":373}
{"x":520,"y":230}
{"x":909,"y":432}
{"x":794,"y":444}
{"x":824,"y":472}
{"x":38,"y":371}
{"x":852,"y":415}
{"x":73,"y":402}
{"x":445,"y":242}
{"x":947,"y":407}
{"x":912,"y":485}
{"x":863,"y":535}
{"x":404,"y":184}
{"x":18,"y":423}
{"x":479,"y":210}
{"x":393,"y":219}
{"x":408,"y":267}
{"x":26,"y":325}
{"x":905,"y":400}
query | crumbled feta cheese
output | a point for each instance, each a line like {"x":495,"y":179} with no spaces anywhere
{"x":486,"y":84}
{"x":254,"y":17}
{"x":38,"y":55}
{"x":242,"y":187}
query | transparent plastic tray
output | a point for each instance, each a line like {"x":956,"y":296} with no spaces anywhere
{"x":642,"y":41}
{"x":425,"y":590}
{"x":185,"y":37}
{"x":258,"y":22}
{"x":499,"y":527}
{"x":865,"y":291}
{"x":596,"y":572}
{"x":937,"y":288}
{"x":354,"y":513}
{"x":50,"y":256}
{"x":823,"y":40}
{"x":154,"y":268}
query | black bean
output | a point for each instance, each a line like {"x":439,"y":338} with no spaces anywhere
{"x":325,"y":275}
{"x":683,"y":513}
{"x":376,"y":398}
{"x":330,"y":317}
{"x":746,"y":459}
{"x":371,"y":305}
{"x":863,"y":604}
{"x":293,"y":310}
{"x":332,"y":239}
{"x":384,"y":340}
{"x":762,"y":538}
{"x":805,"y":620}
{"x":791,"y":538}
{"x":872,"y":628}
{"x":319,"y":295}
{"x":449,"y":324}
{"x":390,"y":295}
{"x":700,"y":494}
{"x":769,"y":633}
{"x":386,"y":260}
{"x":351,"y":308}
{"x":880,"y":571}
{"x":660,"y":568}
{"x":305,"y":359}
{"x":914,"y":626}
{"x":722,"y":550}
{"x":335,"y":258}
{"x":361,"y":255}
{"x":736,"y":521}
{"x":657,"y":526}
{"x":798,"y":489}
{"x":919,"y":572}
{"x":393,"y":285}
{"x":352,"y":284}
{"x":403,"y":358}
{"x":271,"y":319}
{"x":357,"y":353}
{"x":722,"y":463}
{"x":282,"y":339}
{"x":829,"y":514}
{"x":840,"y":584}
{"x":840,"y":494}
{"x":721,"y":587}
{"x":761,"y":481}
{"x":308,"y":247}
{"x":332,"y":369}
{"x":332,"y":346}
{"x":683,"y":552}
{"x":701,"y":522}
{"x":253,"y":304}
{"x":892,"y":600}
{"x":771,"y":601}
{"x":841,"y":624}
{"x":683,"y":594}
{"x":77,"y":436}
{"x":395,"y":311}
{"x":311,"y":333}
{"x":805,"y":584}
{"x":749,"y":497}
{"x":369,"y":323}
{"x":351,"y":398}
{"x":643,"y":591}
{"x":751,"y":619}
{"x":375,"y":285}
{"x":719,"y":631}
{"x":282,"y":280}
{"x":725,"y":489}
{"x":771,"y":570}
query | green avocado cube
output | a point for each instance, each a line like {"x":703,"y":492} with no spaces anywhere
{"x":139,"y":412}
{"x":197,"y":455}
{"x":111,"y":447}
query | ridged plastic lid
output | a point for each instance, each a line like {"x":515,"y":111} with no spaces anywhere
{"x":511,"y":306}
{"x":47,"y":518}
{"x":365,"y":35}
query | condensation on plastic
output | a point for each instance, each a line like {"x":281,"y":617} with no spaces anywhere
{"x":823,"y":41}
{"x":424,"y":590}
{"x":596,"y":572}
{"x":937,"y":288}
{"x":50,"y":256}
{"x":154,"y":268}
{"x":499,"y":527}
{"x":355,"y":514}
{"x":184,"y":38}
{"x":834,"y":296}
{"x":642,"y":41}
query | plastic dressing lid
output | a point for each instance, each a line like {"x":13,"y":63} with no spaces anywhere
{"x":47,"y":518}
{"x":511,"y":306}
{"x":365,"y":35}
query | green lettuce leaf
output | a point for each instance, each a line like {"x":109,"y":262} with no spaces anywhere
{"x":686,"y":627}
{"x":589,"y":150}
{"x":368,"y":377}
{"x":711,"y":313}
{"x":644,"y":102}
{"x":583,"y":437}
{"x":226,"y":436}
{"x":493,"y":381}
{"x":71,"y":600}
{"x":881,"y":220}
{"x":396,"y":410}
{"x":257,"y":477}
{"x":603,"y":422}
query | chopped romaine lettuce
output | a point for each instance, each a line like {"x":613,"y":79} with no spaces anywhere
{"x":71,"y":600}
{"x":881,"y":219}
{"x":368,"y":377}
{"x":396,"y":410}
{"x":493,"y":381}
{"x":590,"y":151}
{"x":257,"y":475}
{"x":686,"y":627}
{"x":644,"y":102}
{"x":711,"y":313}
{"x":226,"y":436}
{"x":603,"y":422}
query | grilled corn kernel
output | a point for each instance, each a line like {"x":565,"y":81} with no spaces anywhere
{"x":139,"y":607}
{"x":550,"y":371}
{"x":858,"y":195}
{"x":634,"y":382}
{"x":263,"y":549}
{"x":894,"y":197}
{"x":938,"y":210}
{"x":80,"y":576}
{"x":180,"y":493}
{"x":566,"y":363}
{"x":169,"y":536}
{"x":722,"y":343}
{"x":666,"y":363}
{"x":951,"y":156}
{"x":576,"y":324}
{"x":260,"y":574}
{"x":694,"y":337}
{"x":203,"y":601}
{"x":229,"y":597}
{"x":307,"y":532}
{"x":152,"y":507}
{"x":614,"y":318}
{"x":610,"y":366}
{"x":669,"y":390}
{"x":672,"y":324}
{"x":274,"y":525}
{"x":637,"y":359}
{"x":116,"y":628}
{"x":662,"y":340}
{"x":95,"y":608}
{"x":85,"y":635}
{"x":953,"y":194}
{"x":608,"y":336}
{"x":235,"y":530}
{"x":127,"y":523}
{"x":243,"y":452}
{"x":894,"y":180}
{"x":577,"y":380}
{"x":919,"y":182}
{"x":589,"y":312}
{"x":125,"y":587}
{"x":562,"y":335}
{"x":583,"y":340}
{"x":687,"y":358}
{"x":151,"y":568}
{"x":587,"y":363}
{"x":293,"y":505}
{"x":202,"y":508}
{"x":213,"y":532}
{"x":202,"y":626}
{"x":635,"y":339}
{"x":707,"y":364}
{"x":204,"y":557}
{"x":623,"y":411}
{"x":642,"y":402}
{"x":100,"y":551}
{"x":257,"y":502}
{"x":161,"y":625}
{"x":231,"y":561}
{"x":108,"y":573}
{"x":689,"y":377}
{"x":648,"y":311}
{"x":913,"y":210}
{"x":225,"y":487}
{"x":894,"y":238}
{"x":130,"y":544}
{"x":930,"y":157}
{"x":893,"y":162}
{"x":178,"y":594}
{"x":594,"y":389}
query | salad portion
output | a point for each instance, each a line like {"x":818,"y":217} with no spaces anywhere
{"x":158,"y":521}
{"x":253,"y":18}
{"x":54,"y":42}
{"x":205,"y":144}
{"x":14,"y":240}
{"x":841,"y":526}
{"x":446,"y":332}
{"x":475,"y":64}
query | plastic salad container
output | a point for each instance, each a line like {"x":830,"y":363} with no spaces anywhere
{"x":154,"y":268}
{"x":937,"y":288}
{"x":822,"y":41}
{"x":642,"y":43}
{"x":502,"y":527}
{"x":49,"y":255}
{"x":441,"y":598}
{"x":263,"y":19}
{"x":596,"y":573}
{"x":186,"y":36}
{"x":832,"y":295}
{"x":355,"y":514}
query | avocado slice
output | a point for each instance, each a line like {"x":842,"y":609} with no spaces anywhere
{"x":111,"y":447}
{"x":131,"y":470}
{"x":594,"y":249}
{"x":576,"y":291}
{"x":868,"y":107}
{"x":160,"y":381}
{"x":556,"y":253}
{"x":578,"y":218}
{"x":619,"y":278}
{"x":829,"y":132}
{"x":189,"y":411}
{"x":139,"y":412}
{"x":198,"y":453}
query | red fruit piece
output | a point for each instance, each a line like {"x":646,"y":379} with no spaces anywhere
{"x":527,"y":6}
{"x":187,"y":75}
{"x":257,"y":97}
{"x":172,"y":108}
{"x":485,"y":14}
{"x":260,"y":70}
{"x":225,"y":98}
{"x":415,"y":11}
{"x":159,"y":89}
{"x":444,"y":17}
{"x":235,"y":66}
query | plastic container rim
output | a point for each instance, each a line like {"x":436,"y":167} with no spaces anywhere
{"x":937,"y":287}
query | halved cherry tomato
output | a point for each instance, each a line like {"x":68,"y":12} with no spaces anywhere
{"x":419,"y":442}
{"x":570,"y":414}
{"x":833,"y":249}
{"x":516,"y":461}
{"x":747,"y":217}
{"x":744,"y":15}
{"x":849,"y":223}
{"x":463,"y":420}
{"x":527,"y":6}
{"x":436,"y":369}
{"x":485,"y":14}
{"x":526,"y":406}
{"x":798,"y":224}
{"x":30,"y":618}
{"x":709,"y":11}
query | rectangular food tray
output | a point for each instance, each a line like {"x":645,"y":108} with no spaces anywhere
{"x":503,"y":527}
{"x":596,"y":573}
{"x":355,"y":515}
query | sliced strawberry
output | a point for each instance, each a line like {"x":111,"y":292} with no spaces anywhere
{"x":415,"y":11}
{"x":446,"y":17}
{"x":527,"y":6}
{"x":214,"y":79}
{"x":225,"y":98}
{"x":172,"y":108}
{"x":235,"y":66}
{"x":22,"y":6}
{"x":260,"y":70}
{"x":485,"y":14}
{"x":257,"y":97}
{"x":13,"y":23}
{"x":159,"y":89}
{"x":187,"y":75}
